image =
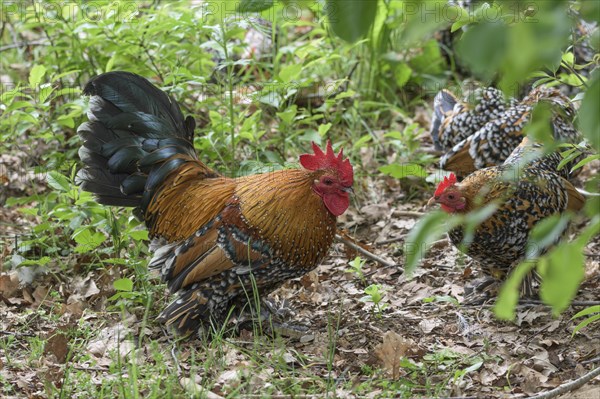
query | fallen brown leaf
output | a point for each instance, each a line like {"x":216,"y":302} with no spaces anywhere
{"x":393,"y":348}
{"x":9,"y":284}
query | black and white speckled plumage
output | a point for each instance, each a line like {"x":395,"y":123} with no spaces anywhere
{"x":526,"y":189}
{"x":455,"y":120}
{"x":500,"y":242}
{"x":494,"y":134}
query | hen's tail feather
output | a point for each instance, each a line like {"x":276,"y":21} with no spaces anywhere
{"x":443,"y":103}
{"x":136,"y":136}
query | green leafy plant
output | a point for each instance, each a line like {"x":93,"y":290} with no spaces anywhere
{"x":376,"y":295}
{"x":356,"y":267}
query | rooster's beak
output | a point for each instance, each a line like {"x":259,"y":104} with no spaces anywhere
{"x":349,"y":190}
{"x":432,"y":201}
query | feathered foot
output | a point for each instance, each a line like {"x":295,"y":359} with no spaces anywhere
{"x":274,"y":318}
{"x":487,"y":288}
{"x":481,"y":291}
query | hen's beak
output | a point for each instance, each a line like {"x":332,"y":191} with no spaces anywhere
{"x":432,"y":201}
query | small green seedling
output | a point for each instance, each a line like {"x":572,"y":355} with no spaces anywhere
{"x":356,"y":267}
{"x":375,"y":294}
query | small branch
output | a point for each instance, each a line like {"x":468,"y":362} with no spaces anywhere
{"x":390,"y":240}
{"x":349,"y":242}
{"x":570,"y":386}
{"x":594,"y":360}
{"x":91,"y":368}
{"x":411,"y":214}
{"x":24,"y":44}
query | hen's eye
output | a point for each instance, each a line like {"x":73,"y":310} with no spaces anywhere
{"x":328,"y":182}
{"x":450,"y":196}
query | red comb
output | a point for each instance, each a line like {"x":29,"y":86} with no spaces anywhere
{"x":328,"y":160}
{"x":447,"y":182}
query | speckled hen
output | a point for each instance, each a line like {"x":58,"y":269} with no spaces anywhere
{"x":484,"y":135}
{"x":214,"y":236}
{"x":525,"y":189}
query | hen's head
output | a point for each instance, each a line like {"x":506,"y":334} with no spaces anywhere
{"x":333,"y":177}
{"x":449,"y":196}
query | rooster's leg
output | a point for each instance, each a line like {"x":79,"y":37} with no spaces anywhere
{"x":274,"y":318}
{"x":481,"y":290}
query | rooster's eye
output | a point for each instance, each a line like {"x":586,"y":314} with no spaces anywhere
{"x":328,"y":182}
{"x":450,"y":196}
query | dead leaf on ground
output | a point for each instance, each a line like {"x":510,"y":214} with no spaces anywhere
{"x":58,"y":345}
{"x":9,"y":284}
{"x":393,"y":348}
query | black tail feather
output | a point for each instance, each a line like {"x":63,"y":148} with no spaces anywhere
{"x":136,"y":136}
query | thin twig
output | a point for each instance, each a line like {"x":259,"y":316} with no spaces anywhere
{"x":390,"y":240}
{"x":411,"y":214}
{"x":570,"y":386}
{"x":91,"y":368}
{"x":594,"y":360}
{"x":24,"y":44}
{"x":370,"y":255}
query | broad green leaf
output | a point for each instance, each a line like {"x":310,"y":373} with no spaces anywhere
{"x":36,"y":75}
{"x":288,"y":115}
{"x":402,"y":72}
{"x":43,"y":261}
{"x":590,"y":10}
{"x":110,"y":63}
{"x":254,"y":5}
{"x":138,"y":235}
{"x":400,"y":171}
{"x":568,"y":58}
{"x":123,"y":284}
{"x":562,"y":270}
{"x":45,"y":92}
{"x":363,"y":140}
{"x":351,"y":20}
{"x":87,"y":239}
{"x":324,"y":128}
{"x":483,"y":47}
{"x":430,"y":60}
{"x":589,"y":117}
{"x":58,"y":181}
{"x":545,"y":233}
{"x":290,"y":72}
{"x":428,"y":229}
{"x":509,"y":293}
{"x":461,"y":20}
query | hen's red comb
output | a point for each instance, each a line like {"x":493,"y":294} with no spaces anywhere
{"x":328,"y":160}
{"x":447,"y":182}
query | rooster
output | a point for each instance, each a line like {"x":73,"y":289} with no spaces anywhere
{"x":475,"y":137}
{"x":214,"y":237}
{"x":525,"y":189}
